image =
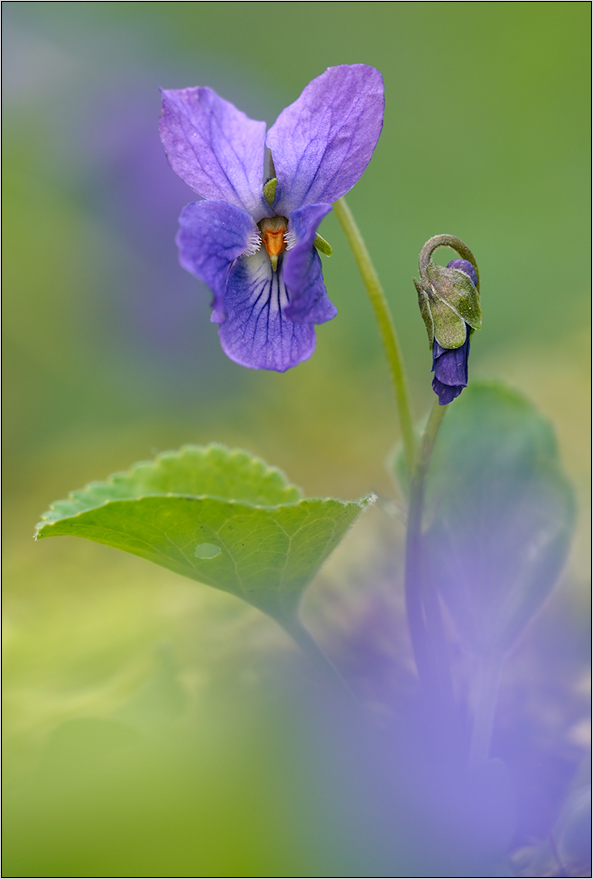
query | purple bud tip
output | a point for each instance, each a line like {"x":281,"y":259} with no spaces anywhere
{"x":466,"y":267}
{"x":450,"y":369}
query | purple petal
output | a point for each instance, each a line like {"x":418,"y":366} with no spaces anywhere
{"x":211,"y":235}
{"x":463,"y":265}
{"x":215,"y":148}
{"x":322,"y":143}
{"x":257,"y":332}
{"x":450,"y":364}
{"x":445,"y":393}
{"x":301,"y":268}
{"x":450,"y":370}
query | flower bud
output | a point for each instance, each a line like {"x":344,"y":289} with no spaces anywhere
{"x":449,"y":303}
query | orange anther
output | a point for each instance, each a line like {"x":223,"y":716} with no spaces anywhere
{"x":272,"y":232}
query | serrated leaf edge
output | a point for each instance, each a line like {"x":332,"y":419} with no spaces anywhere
{"x":155,"y":462}
{"x":189,"y":447}
{"x":363,"y":502}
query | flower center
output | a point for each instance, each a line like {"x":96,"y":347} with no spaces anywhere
{"x":273,"y":231}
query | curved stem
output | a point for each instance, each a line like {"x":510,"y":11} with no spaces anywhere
{"x":385,"y":322}
{"x":446,"y":241}
{"x":422,"y":605}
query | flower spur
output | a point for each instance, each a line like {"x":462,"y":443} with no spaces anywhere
{"x":253,"y":244}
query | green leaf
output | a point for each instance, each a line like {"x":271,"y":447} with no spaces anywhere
{"x":499,"y":514}
{"x":220,"y":517}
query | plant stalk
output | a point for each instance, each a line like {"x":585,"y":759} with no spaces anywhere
{"x":386,"y":326}
{"x":485,"y":707}
{"x":422,"y":603}
{"x":325,"y":668}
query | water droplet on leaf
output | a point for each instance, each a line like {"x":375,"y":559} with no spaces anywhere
{"x":207,"y":551}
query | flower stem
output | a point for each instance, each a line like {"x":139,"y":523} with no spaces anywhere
{"x":484,"y":710}
{"x":422,"y":604}
{"x":385,"y":322}
{"x":325,"y":668}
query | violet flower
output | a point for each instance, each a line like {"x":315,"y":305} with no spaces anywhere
{"x":450,"y":364}
{"x":254,"y":245}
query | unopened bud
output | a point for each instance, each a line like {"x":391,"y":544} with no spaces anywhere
{"x":449,"y":301}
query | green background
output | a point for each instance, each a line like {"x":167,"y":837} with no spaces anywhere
{"x":109,"y":356}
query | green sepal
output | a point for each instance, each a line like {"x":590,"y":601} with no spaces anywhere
{"x":457,"y":290}
{"x":449,"y":327}
{"x":270,"y":190}
{"x":322,"y":245}
{"x":424,"y":305}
